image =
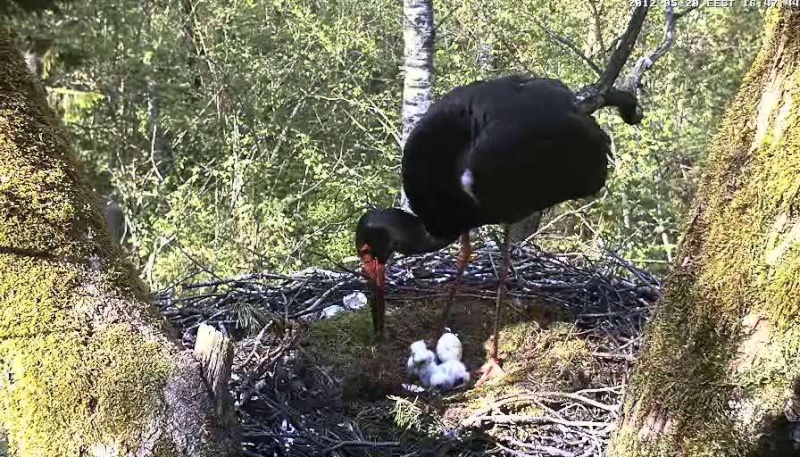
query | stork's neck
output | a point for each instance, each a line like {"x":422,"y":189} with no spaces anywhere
{"x":412,"y":237}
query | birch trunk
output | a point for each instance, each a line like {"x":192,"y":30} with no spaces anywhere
{"x":718,"y":374}
{"x":418,"y":38}
{"x":87,"y":366}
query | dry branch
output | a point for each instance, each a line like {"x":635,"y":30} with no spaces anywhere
{"x":625,"y":96}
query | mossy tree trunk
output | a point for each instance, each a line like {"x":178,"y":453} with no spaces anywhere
{"x":717,"y":375}
{"x":87,"y":366}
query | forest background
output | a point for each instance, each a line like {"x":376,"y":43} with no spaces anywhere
{"x":249,"y":135}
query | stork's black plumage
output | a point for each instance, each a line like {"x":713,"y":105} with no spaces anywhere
{"x":490,"y":152}
{"x":524,"y":142}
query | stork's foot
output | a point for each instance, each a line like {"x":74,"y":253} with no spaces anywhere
{"x":490,"y":370}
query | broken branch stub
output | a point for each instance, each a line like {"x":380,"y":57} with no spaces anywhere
{"x":215,"y":352}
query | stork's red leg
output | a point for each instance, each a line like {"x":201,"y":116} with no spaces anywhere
{"x":463,"y":260}
{"x":492,"y":366}
{"x":502,"y":289}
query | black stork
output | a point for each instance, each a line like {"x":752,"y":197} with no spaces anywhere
{"x":490,"y":152}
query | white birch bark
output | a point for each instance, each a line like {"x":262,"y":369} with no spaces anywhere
{"x":418,"y":37}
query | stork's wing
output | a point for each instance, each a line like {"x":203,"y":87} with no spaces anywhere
{"x":519,"y":168}
{"x":433,"y":158}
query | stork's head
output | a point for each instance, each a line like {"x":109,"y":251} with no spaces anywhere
{"x":381,"y":232}
{"x":374,"y":247}
{"x":374,"y":241}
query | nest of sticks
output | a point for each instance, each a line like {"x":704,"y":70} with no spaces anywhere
{"x":267,"y":315}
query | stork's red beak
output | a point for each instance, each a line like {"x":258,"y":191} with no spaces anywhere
{"x":375,"y":271}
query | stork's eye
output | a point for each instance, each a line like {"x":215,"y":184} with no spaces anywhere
{"x":365,"y":250}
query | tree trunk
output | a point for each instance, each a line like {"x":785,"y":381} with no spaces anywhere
{"x":485,"y":48}
{"x":161,"y":154}
{"x":87,"y":366}
{"x":196,"y":51}
{"x":115,"y":219}
{"x":718,"y":373}
{"x":418,"y":38}
{"x":521,"y":230}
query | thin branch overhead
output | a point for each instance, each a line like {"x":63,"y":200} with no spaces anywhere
{"x":625,"y":96}
{"x":624,"y":49}
{"x":570,"y":45}
{"x":645,"y":63}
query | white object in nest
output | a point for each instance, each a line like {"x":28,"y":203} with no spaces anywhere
{"x":289,"y":430}
{"x":422,"y":362}
{"x":420,"y":357}
{"x":330,"y":311}
{"x":355,"y":300}
{"x":449,"y":374}
{"x":448,"y":347}
{"x":413,"y":388}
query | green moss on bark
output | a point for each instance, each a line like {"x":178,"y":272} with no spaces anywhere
{"x":64,"y":393}
{"x":703,"y":385}
{"x":84,"y":358}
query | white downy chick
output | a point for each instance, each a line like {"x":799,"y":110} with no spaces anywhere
{"x":445,"y":376}
{"x":428,"y":371}
{"x":420,"y":357}
{"x":439,"y":378}
{"x":448,"y":347}
{"x":449,"y":374}
{"x":457,"y":372}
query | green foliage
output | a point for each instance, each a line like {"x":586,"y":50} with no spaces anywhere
{"x":350,"y":334}
{"x":413,"y":417}
{"x":248,"y":134}
{"x":657,"y":166}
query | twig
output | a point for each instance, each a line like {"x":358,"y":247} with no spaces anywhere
{"x":581,"y":398}
{"x":610,"y":356}
{"x":371,"y":444}
{"x":625,"y":96}
{"x":524,"y":418}
{"x":257,"y":344}
{"x":549,"y":450}
{"x":569,"y":44}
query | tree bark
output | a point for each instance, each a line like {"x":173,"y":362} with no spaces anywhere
{"x":521,"y":230}
{"x":87,"y":366}
{"x":418,"y":39}
{"x":718,"y":373}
